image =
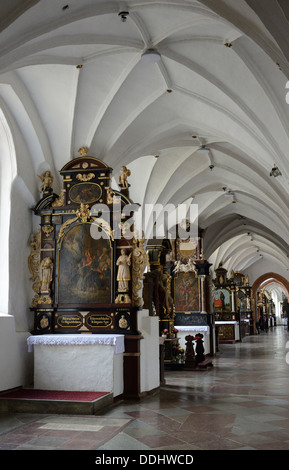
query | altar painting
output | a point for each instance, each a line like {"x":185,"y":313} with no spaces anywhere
{"x":186,"y":293}
{"x":85,"y":268}
{"x":222,"y":300}
{"x":86,"y":193}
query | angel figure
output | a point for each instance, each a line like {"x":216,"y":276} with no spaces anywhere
{"x":125,"y":172}
{"x":177,"y":268}
{"x":47,"y":180}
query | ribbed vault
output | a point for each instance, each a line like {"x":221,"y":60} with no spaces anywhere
{"x":72,"y":75}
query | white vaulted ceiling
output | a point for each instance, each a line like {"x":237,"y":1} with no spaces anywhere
{"x":71,"y":75}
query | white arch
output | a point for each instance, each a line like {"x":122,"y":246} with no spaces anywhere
{"x":8,"y":171}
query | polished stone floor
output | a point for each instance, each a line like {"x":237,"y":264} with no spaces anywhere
{"x":242,"y":403}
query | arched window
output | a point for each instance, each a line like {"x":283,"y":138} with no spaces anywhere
{"x":7,"y":174}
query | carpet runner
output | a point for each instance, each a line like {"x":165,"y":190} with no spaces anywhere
{"x":32,"y":394}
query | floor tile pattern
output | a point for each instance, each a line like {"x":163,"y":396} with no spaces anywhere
{"x":242,"y":403}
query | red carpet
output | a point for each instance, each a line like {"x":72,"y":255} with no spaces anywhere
{"x":54,"y":395}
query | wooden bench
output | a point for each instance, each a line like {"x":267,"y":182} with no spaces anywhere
{"x":206,"y":363}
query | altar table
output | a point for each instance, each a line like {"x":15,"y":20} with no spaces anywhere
{"x":78,"y":362}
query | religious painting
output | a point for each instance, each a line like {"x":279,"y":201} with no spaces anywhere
{"x":222,"y":300}
{"x":85,"y":268}
{"x":87,"y":193}
{"x":186,"y":292}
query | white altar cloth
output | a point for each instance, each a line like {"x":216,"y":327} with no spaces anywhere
{"x":78,"y":362}
{"x":77,"y":340}
{"x":193,"y":329}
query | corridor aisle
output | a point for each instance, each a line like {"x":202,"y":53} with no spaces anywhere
{"x":241,"y":403}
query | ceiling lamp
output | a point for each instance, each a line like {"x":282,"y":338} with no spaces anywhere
{"x":151,"y":57}
{"x":123,"y":15}
{"x":203,"y":149}
{"x":275,"y":171}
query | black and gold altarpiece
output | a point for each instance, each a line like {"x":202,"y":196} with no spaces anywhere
{"x":233,"y":302}
{"x":190,"y":272}
{"x":85,"y":270}
{"x":176,"y":287}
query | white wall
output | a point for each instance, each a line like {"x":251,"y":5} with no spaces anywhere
{"x":149,"y":350}
{"x":16,"y":365}
{"x":266,"y":265}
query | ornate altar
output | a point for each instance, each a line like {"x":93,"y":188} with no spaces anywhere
{"x":86,"y":269}
{"x":190,"y":273}
{"x":232,"y":305}
{"x":158,"y":296}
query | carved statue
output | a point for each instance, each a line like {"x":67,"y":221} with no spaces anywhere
{"x":123,"y":274}
{"x":109,"y":195}
{"x":47,"y":180}
{"x":125,"y":172}
{"x":59,"y":202}
{"x":248,"y":306}
{"x":139,"y":262}
{"x":83,"y":151}
{"x":184,"y":268}
{"x":46,"y":274}
{"x":165,"y":297}
{"x":34,"y":263}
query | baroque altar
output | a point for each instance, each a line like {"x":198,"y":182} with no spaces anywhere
{"x":85,"y":272}
{"x":233,"y":306}
{"x":86,"y":261}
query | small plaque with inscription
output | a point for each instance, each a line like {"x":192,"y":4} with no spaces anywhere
{"x":99,"y":320}
{"x":69,"y":320}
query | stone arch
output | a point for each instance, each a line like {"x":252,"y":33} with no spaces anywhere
{"x":7,"y":173}
{"x":276,"y":277}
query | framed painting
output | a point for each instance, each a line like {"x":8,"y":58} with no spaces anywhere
{"x":222,"y":300}
{"x":186,"y":292}
{"x":87,"y":193}
{"x":84,"y":268}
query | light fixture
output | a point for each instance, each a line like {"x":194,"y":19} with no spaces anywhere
{"x":211,"y":167}
{"x":151,"y":56}
{"x":275,"y":171}
{"x":123,"y":15}
{"x":203,"y":149}
{"x":230,"y":194}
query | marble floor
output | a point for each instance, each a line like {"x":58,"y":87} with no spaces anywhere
{"x":242,"y":403}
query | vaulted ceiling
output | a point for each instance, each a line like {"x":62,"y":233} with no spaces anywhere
{"x":72,"y":75}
